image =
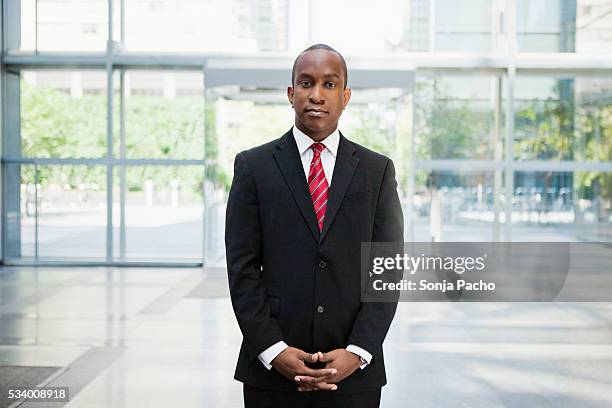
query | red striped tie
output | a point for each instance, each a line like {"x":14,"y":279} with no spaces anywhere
{"x":317,"y":183}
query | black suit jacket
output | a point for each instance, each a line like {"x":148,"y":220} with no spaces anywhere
{"x":281,"y":269}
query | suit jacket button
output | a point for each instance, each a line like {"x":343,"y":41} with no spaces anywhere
{"x":322,"y":264}
{"x":320,"y":309}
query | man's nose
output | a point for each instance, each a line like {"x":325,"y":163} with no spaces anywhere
{"x":316,"y":96}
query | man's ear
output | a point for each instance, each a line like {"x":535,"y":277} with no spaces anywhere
{"x":290,"y":94}
{"x":347,"y":96}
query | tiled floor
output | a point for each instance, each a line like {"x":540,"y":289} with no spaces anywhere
{"x":134,"y":338}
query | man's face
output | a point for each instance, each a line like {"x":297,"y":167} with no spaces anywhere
{"x":318,"y":95}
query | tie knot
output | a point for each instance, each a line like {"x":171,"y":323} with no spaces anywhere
{"x":317,"y":147}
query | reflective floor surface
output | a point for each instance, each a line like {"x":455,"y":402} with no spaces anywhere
{"x":140,"y":337}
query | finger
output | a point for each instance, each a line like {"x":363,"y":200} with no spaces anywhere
{"x":325,"y":386}
{"x":304,"y":356}
{"x":328,"y":357}
{"x":305,"y":379}
{"x":321,"y":356}
{"x":318,"y":386}
{"x":314,"y":357}
{"x":317,"y":373}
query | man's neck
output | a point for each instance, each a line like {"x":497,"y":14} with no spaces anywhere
{"x":318,"y":137}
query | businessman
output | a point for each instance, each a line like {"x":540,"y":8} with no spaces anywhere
{"x":298,"y":210}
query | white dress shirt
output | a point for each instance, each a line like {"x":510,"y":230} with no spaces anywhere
{"x":328,"y":157}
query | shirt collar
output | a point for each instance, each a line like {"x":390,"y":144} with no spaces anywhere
{"x":304,"y":141}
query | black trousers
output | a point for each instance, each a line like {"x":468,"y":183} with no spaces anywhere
{"x":258,"y":398}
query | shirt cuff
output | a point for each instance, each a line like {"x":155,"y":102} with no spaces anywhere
{"x":270,"y":353}
{"x":361,"y":353}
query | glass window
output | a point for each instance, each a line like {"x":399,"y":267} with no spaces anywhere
{"x":20,"y":209}
{"x":469,"y":15}
{"x":593,"y":206}
{"x":463,"y":42}
{"x":27,"y":38}
{"x":581,"y":26}
{"x":463,"y":27}
{"x":562,"y":206}
{"x":455,"y":117}
{"x":415,"y":19}
{"x":392,"y":25}
{"x":381,"y":120}
{"x":67,"y":25}
{"x":164,"y":115}
{"x":63,"y":114}
{"x":540,"y":15}
{"x":383,"y":19}
{"x":454,"y":206}
{"x":244,"y":119}
{"x":593,"y":27}
{"x":545,"y":25}
{"x":211,"y":26}
{"x":160,"y":202}
{"x":563,"y":119}
{"x":61,"y":216}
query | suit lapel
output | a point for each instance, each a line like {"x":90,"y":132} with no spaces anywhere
{"x":288,"y":159}
{"x":346,"y":163}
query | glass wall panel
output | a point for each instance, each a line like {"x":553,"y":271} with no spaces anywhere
{"x":454,"y":206}
{"x":455,"y":117}
{"x":244,"y":118}
{"x":63,"y":114}
{"x":415,"y":19}
{"x":563,"y":119}
{"x":546,"y":25}
{"x":211,"y":26}
{"x":581,"y":26}
{"x":164,"y":115}
{"x":385,"y":20}
{"x":163,"y":213}
{"x":381,"y":119}
{"x":63,"y":216}
{"x":20,"y":210}
{"x":27,"y":26}
{"x":64,"y":25}
{"x":415,"y":25}
{"x":464,"y":26}
{"x":593,"y":206}
{"x":463,"y":42}
{"x":72,"y":211}
{"x":593,"y":26}
{"x":562,"y":206}
{"x":593,"y":119}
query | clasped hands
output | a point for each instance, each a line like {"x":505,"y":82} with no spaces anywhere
{"x":340,"y":363}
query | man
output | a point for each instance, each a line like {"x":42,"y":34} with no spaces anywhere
{"x":298,"y":209}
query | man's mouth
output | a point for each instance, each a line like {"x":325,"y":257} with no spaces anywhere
{"x":316,"y":112}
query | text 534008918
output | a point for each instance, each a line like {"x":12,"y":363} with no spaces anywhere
{"x":42,"y":394}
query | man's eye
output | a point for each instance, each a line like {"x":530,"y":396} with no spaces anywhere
{"x":305,"y":83}
{"x":331,"y":84}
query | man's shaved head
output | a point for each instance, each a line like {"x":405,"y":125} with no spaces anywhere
{"x":321,"y":47}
